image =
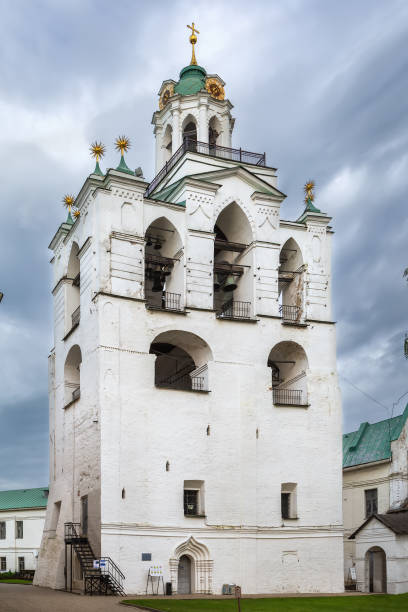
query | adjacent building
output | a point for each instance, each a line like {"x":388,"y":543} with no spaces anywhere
{"x":375,"y":503}
{"x":195,"y":415}
{"x":22,"y":516}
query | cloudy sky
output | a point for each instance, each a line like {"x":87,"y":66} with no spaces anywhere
{"x":320,"y":85}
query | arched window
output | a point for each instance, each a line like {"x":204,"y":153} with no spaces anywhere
{"x":190,"y":136}
{"x":233,"y":263}
{"x":72,"y":377}
{"x":181,"y":361}
{"x":288,"y":363}
{"x":291,"y":283}
{"x":167,"y":143}
{"x":72,"y":298}
{"x":164,"y":266}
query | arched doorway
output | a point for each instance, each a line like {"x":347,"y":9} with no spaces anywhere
{"x":184,"y":575}
{"x":376,"y":570}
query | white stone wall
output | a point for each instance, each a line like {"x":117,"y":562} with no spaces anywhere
{"x":29,"y":545}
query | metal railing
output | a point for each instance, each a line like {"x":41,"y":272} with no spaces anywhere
{"x":183,"y":381}
{"x":164,"y":301}
{"x":76,"y":316}
{"x":290,"y":313}
{"x":288,"y":397}
{"x":72,"y":530}
{"x":109,"y":568}
{"x":76,"y":394}
{"x":234,"y":309}
{"x":196,"y":146}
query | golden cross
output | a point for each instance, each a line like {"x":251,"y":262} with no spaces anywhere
{"x":193,"y":40}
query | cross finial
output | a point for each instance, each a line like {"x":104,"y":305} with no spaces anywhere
{"x":193,"y":40}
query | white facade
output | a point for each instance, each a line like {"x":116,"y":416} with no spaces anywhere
{"x":388,"y":479}
{"x":133,"y":447}
{"x":13,"y":548}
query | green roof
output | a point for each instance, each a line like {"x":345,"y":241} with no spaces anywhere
{"x":23,"y":498}
{"x":372,"y":441}
{"x":192,"y":80}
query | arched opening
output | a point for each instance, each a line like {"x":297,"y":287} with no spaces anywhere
{"x":376,"y":570}
{"x":214,"y":134}
{"x":181,"y":361}
{"x":291,"y":282}
{"x":233,"y":263}
{"x":200,"y":563}
{"x":288,"y":363}
{"x":167,"y":143}
{"x":184,"y":578}
{"x":164,"y":266}
{"x":73,"y":289}
{"x":190,"y":134}
{"x":72,"y":376}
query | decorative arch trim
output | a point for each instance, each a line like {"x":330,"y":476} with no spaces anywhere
{"x":202,"y":565}
{"x":231,"y":199}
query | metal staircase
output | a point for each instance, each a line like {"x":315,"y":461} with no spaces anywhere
{"x":107,"y":579}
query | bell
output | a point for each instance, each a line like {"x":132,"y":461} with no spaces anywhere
{"x":217,"y":283}
{"x":157,"y":283}
{"x":158,"y":245}
{"x":230,"y":284}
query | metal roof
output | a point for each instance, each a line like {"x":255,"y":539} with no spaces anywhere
{"x":23,"y":498}
{"x":372,"y":441}
{"x":396,"y":520}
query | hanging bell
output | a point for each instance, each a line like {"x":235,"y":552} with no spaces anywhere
{"x":217,"y":283}
{"x":157,"y":283}
{"x":230,"y":284}
{"x":158,"y":245}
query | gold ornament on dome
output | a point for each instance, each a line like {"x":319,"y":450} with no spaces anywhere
{"x":165,"y":96}
{"x":308,"y":189}
{"x":122,"y":144}
{"x":68,"y":201}
{"x":215,"y":88}
{"x":97,"y":150}
{"x":193,"y":40}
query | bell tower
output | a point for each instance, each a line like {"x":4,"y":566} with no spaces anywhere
{"x":192,"y":109}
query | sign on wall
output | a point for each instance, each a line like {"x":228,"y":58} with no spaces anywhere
{"x":155,"y":570}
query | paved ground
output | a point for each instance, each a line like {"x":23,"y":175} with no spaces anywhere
{"x":27,"y":598}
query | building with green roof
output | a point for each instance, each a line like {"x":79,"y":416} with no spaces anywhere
{"x":22,"y":517}
{"x":375,"y":475}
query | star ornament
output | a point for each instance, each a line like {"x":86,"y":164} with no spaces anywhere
{"x":68,"y":201}
{"x":77,"y":213}
{"x":97,"y":150}
{"x":308,"y":189}
{"x":122,"y":144}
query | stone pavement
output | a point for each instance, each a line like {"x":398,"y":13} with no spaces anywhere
{"x":27,"y":598}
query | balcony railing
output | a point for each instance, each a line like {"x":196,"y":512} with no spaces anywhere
{"x":76,"y":316}
{"x":288,"y":397}
{"x":290,"y":313}
{"x":234,"y":309}
{"x":239,"y":155}
{"x":164,"y":301}
{"x":183,"y":380}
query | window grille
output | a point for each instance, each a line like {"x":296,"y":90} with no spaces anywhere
{"x":3,"y":564}
{"x":190,"y":502}
{"x":371,"y":501}
{"x":285,"y":505}
{"x":19,"y":532}
{"x":21,"y":564}
{"x":2,"y":530}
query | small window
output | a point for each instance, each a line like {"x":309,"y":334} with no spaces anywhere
{"x":2,"y":530}
{"x":288,"y":500}
{"x":193,"y":498}
{"x":3,"y":564}
{"x":371,"y":501}
{"x":19,"y":531}
{"x":21,"y":565}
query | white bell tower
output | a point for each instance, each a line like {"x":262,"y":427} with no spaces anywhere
{"x":194,"y":108}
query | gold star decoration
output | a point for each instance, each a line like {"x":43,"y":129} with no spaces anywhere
{"x":308,"y":189}
{"x":68,"y":201}
{"x":97,"y":150}
{"x":77,"y":213}
{"x":122,"y":144}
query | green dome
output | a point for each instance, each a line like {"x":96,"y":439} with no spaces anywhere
{"x":192,"y":80}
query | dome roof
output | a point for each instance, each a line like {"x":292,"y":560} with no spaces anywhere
{"x":192,"y":80}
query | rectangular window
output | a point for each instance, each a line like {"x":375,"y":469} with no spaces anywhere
{"x":190,"y":502}
{"x":289,"y":500}
{"x":19,"y":530}
{"x":21,"y":566}
{"x":371,"y":501}
{"x":285,"y":505}
{"x":2,"y":530}
{"x":194,"y":498}
{"x":3,"y":564}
